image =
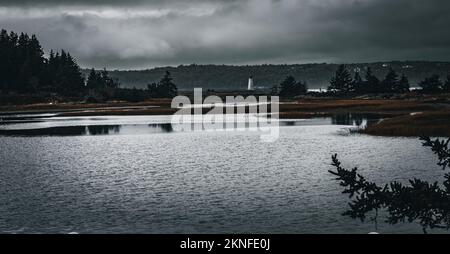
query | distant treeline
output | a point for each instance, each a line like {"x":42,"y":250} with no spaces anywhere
{"x":343,"y":82}
{"x":101,"y":87}
{"x":226,"y":77}
{"x":24,"y":70}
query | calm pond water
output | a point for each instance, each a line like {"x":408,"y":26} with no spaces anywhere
{"x":136,"y":174}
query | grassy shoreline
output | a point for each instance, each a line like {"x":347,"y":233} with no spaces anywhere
{"x":403,"y":117}
{"x":433,"y":124}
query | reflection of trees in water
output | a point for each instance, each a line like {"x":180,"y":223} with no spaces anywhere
{"x":290,"y":123}
{"x":52,"y":131}
{"x":84,"y":130}
{"x":347,"y":119}
{"x":102,"y":129}
{"x":353,"y":119}
{"x":166,"y":127}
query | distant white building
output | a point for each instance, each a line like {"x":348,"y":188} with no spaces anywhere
{"x":250,"y":83}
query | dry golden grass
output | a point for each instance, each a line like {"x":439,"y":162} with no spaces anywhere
{"x":357,"y":105}
{"x":435,"y":124}
{"x":79,"y":105}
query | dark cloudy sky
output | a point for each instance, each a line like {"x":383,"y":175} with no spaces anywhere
{"x":143,"y":34}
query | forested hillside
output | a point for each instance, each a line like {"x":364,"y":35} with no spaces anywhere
{"x":235,"y":77}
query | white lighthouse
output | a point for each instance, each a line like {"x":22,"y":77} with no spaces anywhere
{"x":250,"y":83}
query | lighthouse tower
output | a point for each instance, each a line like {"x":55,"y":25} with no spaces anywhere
{"x":250,"y":83}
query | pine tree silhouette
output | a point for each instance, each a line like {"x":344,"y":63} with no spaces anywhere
{"x":420,"y":201}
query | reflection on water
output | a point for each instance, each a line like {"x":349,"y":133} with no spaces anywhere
{"x":136,"y":125}
{"x":196,"y":182}
{"x":138,"y":129}
{"x":91,"y":130}
{"x":108,"y":176}
{"x":163,"y":127}
{"x":355,"y":119}
{"x":102,"y":130}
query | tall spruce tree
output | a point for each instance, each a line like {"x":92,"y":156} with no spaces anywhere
{"x":390,"y":81}
{"x":402,"y":85}
{"x":66,"y":76}
{"x":341,"y":81}
{"x":371,"y":82}
{"x":94,"y":80}
{"x":21,"y":62}
{"x":165,"y":88}
{"x":358,"y":83}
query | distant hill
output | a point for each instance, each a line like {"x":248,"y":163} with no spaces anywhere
{"x":227,"y":77}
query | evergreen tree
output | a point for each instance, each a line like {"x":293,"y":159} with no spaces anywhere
{"x":165,"y":88}
{"x":66,"y":76}
{"x":101,"y":80}
{"x":431,"y":84}
{"x":402,"y":85}
{"x":21,"y":62}
{"x":108,"y":82}
{"x":390,"y":82}
{"x":287,"y":86}
{"x":427,"y":203}
{"x":371,"y":82}
{"x":93,"y":80}
{"x":342,"y":81}
{"x":23,"y":68}
{"x":290,"y":88}
{"x":51,"y":66}
{"x":302,"y":87}
{"x":35,"y":64}
{"x":358,"y":83}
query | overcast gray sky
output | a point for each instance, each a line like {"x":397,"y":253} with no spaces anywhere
{"x":141,"y":34}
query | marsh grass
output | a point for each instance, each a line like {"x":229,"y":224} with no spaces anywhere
{"x":434,"y":124}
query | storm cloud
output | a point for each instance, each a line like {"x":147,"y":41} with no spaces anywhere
{"x":144,"y":34}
